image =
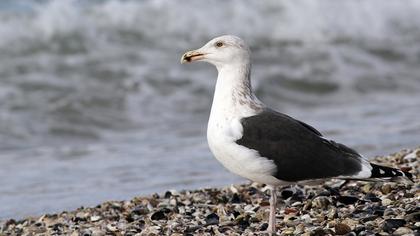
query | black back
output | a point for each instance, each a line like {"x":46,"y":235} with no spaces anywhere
{"x":298,"y":149}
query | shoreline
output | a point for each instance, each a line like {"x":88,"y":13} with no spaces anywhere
{"x":358,"y":208}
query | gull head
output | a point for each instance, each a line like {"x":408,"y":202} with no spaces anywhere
{"x":221,"y":51}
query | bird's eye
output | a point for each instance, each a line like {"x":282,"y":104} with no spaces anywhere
{"x":219,"y":44}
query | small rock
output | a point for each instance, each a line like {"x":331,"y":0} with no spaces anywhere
{"x":288,"y":231}
{"x":97,"y":232}
{"x":235,"y":198}
{"x":81,"y":216}
{"x":159,"y":215}
{"x":402,"y":231}
{"x":389,"y":212}
{"x":233,"y":189}
{"x":359,"y":228}
{"x":111,"y":228}
{"x":243,"y":222}
{"x":386,"y":188}
{"x":319,"y":232}
{"x":386,"y":202}
{"x":379,"y":210}
{"x":95,"y":218}
{"x":307,"y":205}
{"x":286,"y":193}
{"x":252,"y":190}
{"x":299,"y":229}
{"x":86,"y":232}
{"x":372,"y":197}
{"x":414,"y":217}
{"x":212,"y":219}
{"x":296,"y":204}
{"x":366,"y":188}
{"x":391,"y":224}
{"x":342,"y":229}
{"x":289,"y":210}
{"x":116,"y":205}
{"x":168,"y":194}
{"x":263,"y":226}
{"x":350,"y":222}
{"x":368,"y":218}
{"x":332,"y":213}
{"x":347,"y":199}
{"x":321,"y":202}
{"x":140,"y":210}
{"x":306,"y":218}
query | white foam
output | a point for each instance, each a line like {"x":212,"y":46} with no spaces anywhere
{"x":283,"y":20}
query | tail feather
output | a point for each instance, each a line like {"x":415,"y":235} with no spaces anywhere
{"x":388,"y":172}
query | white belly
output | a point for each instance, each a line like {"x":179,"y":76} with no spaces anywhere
{"x":239,"y":159}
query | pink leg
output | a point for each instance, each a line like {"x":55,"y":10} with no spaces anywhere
{"x":273,"y":203}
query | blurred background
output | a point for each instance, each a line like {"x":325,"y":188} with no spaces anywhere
{"x":95,"y":106}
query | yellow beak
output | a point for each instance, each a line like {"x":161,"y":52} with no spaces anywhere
{"x":192,"y":56}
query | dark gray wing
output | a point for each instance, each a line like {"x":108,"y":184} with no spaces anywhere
{"x":297,"y":149}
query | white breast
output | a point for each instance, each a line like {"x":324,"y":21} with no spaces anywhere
{"x":221,"y":135}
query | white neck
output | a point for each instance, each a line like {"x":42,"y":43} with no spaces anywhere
{"x":233,"y":96}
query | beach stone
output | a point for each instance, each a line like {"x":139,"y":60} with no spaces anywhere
{"x":299,"y":229}
{"x":366,"y":188}
{"x":359,"y":228}
{"x":413,"y":217}
{"x":168,"y":194}
{"x":235,"y":198}
{"x":386,"y":188}
{"x":86,"y":232}
{"x":97,"y":232}
{"x":342,"y":229}
{"x":321,"y":202}
{"x":95,"y":218}
{"x":286,"y":193}
{"x":75,"y":233}
{"x":306,"y":218}
{"x":350,"y":222}
{"x":307,"y":205}
{"x":111,"y":228}
{"x":159,"y":215}
{"x":402,"y":231}
{"x":290,"y":210}
{"x":212,"y":219}
{"x":389,"y":212}
{"x":320,"y":232}
{"x":140,"y":210}
{"x":379,"y":210}
{"x":81,"y":216}
{"x":296,"y":204}
{"x":263,"y":226}
{"x":372,"y":197}
{"x":288,"y":231}
{"x":332,"y":213}
{"x":347,"y":199}
{"x":386,"y":202}
{"x":391,"y":224}
{"x":243,"y":222}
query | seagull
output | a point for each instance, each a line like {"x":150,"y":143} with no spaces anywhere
{"x":266,"y":146}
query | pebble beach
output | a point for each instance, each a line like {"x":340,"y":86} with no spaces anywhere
{"x":355,"y":208}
